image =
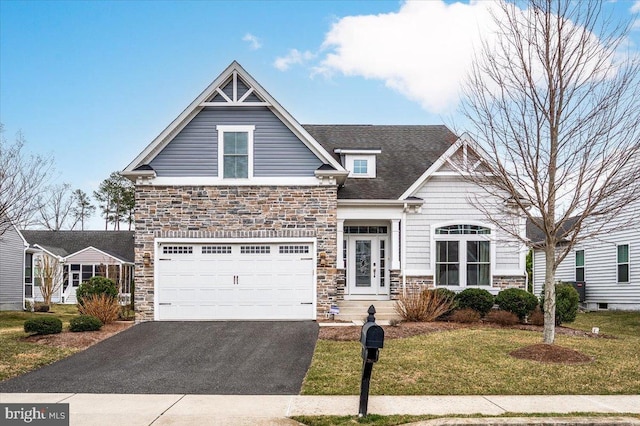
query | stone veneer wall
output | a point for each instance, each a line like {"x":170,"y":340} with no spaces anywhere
{"x":419,"y":283}
{"x":235,"y":212}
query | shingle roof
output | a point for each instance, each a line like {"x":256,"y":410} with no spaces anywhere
{"x":536,"y":236}
{"x":407,"y":152}
{"x":63,"y":243}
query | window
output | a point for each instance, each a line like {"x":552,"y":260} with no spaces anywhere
{"x":216,"y":249}
{"x":360,"y":167}
{"x":447,"y":263}
{"x":255,"y":249}
{"x":623,"y":263}
{"x":235,"y":151}
{"x":177,"y":250}
{"x":478,"y":263}
{"x":580,"y":265}
{"x":463,"y":255}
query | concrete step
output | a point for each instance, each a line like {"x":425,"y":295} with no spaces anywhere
{"x":356,"y":310}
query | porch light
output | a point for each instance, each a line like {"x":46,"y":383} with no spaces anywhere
{"x":146,"y":259}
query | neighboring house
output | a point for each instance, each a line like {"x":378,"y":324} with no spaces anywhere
{"x":12,"y":269}
{"x":81,"y":255}
{"x":608,"y":264}
{"x":243,"y":213}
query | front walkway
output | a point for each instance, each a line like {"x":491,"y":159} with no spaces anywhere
{"x":162,"y":410}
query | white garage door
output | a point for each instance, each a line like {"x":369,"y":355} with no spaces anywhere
{"x":235,"y":281}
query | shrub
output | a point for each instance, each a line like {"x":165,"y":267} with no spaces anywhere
{"x":567,"y":302}
{"x":85,"y":323}
{"x":477,"y":299}
{"x":43,"y":325}
{"x":465,"y":315}
{"x":536,"y":317}
{"x":40,"y":307}
{"x":517,"y":301}
{"x":423,"y":307}
{"x":102,"y":306}
{"x":501,"y":317}
{"x":96,"y":285}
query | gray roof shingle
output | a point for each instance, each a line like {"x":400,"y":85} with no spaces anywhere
{"x":407,"y":152}
{"x":63,"y":243}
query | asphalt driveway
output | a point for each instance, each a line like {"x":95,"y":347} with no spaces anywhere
{"x":226,"y":358}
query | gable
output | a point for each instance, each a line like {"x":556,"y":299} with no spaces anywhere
{"x":188,"y":146}
{"x":277,"y":151}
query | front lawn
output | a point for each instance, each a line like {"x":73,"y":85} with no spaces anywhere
{"x":476,"y":361}
{"x":17,"y":356}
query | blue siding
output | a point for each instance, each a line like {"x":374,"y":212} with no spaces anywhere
{"x":11,"y":270}
{"x":277,"y":151}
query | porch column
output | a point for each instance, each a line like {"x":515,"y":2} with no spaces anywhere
{"x":395,"y":244}
{"x":340,"y":244}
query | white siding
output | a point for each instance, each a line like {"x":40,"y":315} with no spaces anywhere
{"x":600,"y":257}
{"x":447,"y":200}
{"x":11,"y":270}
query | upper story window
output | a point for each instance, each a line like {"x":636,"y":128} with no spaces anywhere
{"x":623,"y":263}
{"x":361,"y":163}
{"x":235,"y":152}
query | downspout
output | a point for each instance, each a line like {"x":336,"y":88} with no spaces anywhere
{"x":403,"y":249}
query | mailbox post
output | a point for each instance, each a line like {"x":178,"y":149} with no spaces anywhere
{"x":372,"y":340}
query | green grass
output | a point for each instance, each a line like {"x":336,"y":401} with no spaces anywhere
{"x":377,"y":420}
{"x":18,"y":356}
{"x":476,"y":361}
{"x":617,"y":323}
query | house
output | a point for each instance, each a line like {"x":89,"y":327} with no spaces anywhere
{"x":244,"y":213}
{"x":76,"y":256}
{"x":606,"y":263}
{"x":12,"y":269}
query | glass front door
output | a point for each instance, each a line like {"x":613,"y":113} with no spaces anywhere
{"x":366,"y":265}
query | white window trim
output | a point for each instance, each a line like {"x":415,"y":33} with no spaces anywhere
{"x":221,"y":129}
{"x":371,"y":165}
{"x":628,"y":263}
{"x":462,"y":259}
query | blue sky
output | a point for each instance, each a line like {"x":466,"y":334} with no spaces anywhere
{"x":92,"y":83}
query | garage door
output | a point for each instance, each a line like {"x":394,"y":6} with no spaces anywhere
{"x":235,"y":281}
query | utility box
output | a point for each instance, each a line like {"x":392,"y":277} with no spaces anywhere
{"x":580,"y":287}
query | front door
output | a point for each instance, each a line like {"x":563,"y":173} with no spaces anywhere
{"x":366,"y":265}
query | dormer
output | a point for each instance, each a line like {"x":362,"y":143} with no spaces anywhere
{"x":361,"y":162}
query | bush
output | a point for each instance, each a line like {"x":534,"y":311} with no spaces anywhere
{"x":465,"y":315}
{"x":477,"y":299}
{"x":536,"y":317}
{"x":517,"y":301}
{"x":43,"y":325}
{"x":423,"y":307}
{"x":567,"y":302}
{"x":96,"y":285}
{"x":501,"y":317}
{"x":40,"y":307}
{"x":85,"y":323}
{"x":102,"y":306}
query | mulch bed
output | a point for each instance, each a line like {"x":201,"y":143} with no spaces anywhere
{"x":542,"y":352}
{"x":80,"y":340}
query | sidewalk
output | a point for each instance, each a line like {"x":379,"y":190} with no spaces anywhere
{"x":162,"y":410}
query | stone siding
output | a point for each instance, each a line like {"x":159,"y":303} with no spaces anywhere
{"x":235,"y":212}
{"x":503,"y":282}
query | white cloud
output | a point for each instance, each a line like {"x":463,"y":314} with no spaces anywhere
{"x":254,"y":42}
{"x":294,"y":57}
{"x":422,"y":51}
{"x":635,"y":8}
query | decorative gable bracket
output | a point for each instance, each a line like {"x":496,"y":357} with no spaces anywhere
{"x":235,"y":92}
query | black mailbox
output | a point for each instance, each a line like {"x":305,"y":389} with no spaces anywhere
{"x":372,"y":336}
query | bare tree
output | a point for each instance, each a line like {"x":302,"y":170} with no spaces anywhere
{"x":49,"y":270}
{"x":554,"y":100}
{"x":22,"y":179}
{"x":56,"y":210}
{"x":82,"y":208}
